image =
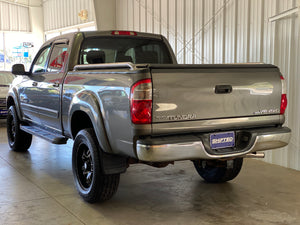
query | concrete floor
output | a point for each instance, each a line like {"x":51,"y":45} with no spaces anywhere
{"x":37,"y":188}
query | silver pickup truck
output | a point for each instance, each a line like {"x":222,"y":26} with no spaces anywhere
{"x":123,"y":99}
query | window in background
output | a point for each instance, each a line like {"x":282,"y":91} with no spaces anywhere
{"x":16,"y":47}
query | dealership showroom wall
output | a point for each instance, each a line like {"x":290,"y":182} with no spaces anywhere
{"x":37,"y":186}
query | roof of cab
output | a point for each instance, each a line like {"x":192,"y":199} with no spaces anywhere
{"x":119,"y":33}
{"x":86,"y":34}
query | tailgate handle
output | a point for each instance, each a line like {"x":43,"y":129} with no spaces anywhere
{"x":223,"y":89}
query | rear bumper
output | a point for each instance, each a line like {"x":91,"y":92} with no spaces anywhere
{"x":188,"y":147}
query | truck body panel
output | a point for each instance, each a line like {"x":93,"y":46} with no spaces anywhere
{"x":197,"y":93}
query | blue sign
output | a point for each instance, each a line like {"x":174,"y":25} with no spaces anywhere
{"x":2,"y":58}
{"x":25,"y":55}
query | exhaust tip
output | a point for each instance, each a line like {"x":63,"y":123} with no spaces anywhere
{"x":255,"y":155}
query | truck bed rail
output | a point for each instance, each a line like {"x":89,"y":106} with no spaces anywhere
{"x":105,"y":66}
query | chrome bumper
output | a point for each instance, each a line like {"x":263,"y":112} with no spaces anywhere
{"x":189,"y":147}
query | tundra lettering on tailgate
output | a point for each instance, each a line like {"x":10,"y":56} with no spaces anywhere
{"x":177,"y":117}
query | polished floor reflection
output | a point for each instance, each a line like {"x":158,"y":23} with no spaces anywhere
{"x":37,"y":188}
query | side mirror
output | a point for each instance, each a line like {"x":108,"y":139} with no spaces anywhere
{"x":18,"y":69}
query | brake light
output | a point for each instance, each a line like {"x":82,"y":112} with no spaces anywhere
{"x":141,"y":102}
{"x":129,"y":33}
{"x":283,"y":103}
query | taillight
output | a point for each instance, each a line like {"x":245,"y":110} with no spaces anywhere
{"x":141,"y":102}
{"x":283,"y":104}
{"x":121,"y":32}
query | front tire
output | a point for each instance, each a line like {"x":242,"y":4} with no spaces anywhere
{"x":18,"y":139}
{"x":214,"y":171}
{"x":91,"y":183}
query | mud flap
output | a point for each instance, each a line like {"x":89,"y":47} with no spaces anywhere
{"x":113,"y":164}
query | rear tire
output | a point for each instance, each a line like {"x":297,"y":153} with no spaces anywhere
{"x":91,"y":183}
{"x":18,"y":139}
{"x":214,"y":171}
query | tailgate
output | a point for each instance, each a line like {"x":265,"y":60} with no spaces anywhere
{"x":205,"y":92}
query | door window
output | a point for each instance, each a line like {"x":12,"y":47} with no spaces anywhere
{"x":58,"y":58}
{"x":39,"y":64}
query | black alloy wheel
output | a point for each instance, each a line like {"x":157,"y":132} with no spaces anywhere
{"x":90,"y":181}
{"x":85,"y":166}
{"x":18,"y":139}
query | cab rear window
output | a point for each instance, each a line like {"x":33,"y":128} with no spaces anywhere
{"x":122,"y":49}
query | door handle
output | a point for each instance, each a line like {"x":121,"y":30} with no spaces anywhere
{"x":56,"y":84}
{"x":34,"y":83}
{"x":223,"y":89}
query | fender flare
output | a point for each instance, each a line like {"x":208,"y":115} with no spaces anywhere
{"x":12,"y":93}
{"x":87,"y":102}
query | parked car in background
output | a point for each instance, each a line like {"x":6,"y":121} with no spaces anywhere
{"x":5,"y":80}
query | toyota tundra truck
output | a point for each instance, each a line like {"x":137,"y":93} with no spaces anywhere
{"x":123,"y":98}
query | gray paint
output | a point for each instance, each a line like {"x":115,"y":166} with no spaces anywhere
{"x":103,"y":93}
{"x":188,"y":93}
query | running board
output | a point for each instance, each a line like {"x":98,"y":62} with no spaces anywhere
{"x":44,"y":134}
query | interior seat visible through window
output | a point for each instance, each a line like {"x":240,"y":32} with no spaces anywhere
{"x":93,"y":57}
{"x":121,"y":57}
{"x":146,"y":56}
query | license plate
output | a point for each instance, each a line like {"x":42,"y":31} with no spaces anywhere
{"x":222,"y":140}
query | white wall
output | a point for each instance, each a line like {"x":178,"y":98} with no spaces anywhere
{"x":228,"y":31}
{"x":105,"y":11}
{"x":14,"y":17}
{"x":37,"y":26}
{"x":60,"y":14}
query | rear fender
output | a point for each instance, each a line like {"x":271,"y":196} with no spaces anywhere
{"x":87,"y":102}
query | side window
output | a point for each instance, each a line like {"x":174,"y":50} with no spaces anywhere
{"x":39,"y":64}
{"x":58,"y":58}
